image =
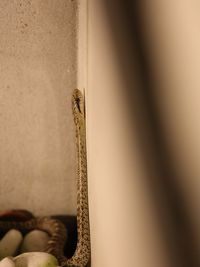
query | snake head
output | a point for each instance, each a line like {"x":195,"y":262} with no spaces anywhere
{"x":78,"y":106}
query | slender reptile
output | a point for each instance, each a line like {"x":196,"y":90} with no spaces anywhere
{"x":55,"y":228}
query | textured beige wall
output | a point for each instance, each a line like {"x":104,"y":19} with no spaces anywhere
{"x":37,"y":75}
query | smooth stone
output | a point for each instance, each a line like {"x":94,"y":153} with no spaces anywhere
{"x":10,"y":243}
{"x":35,"y":241}
{"x":7,"y":262}
{"x":35,"y":259}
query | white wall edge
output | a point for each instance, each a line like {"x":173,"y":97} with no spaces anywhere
{"x":82,"y":43}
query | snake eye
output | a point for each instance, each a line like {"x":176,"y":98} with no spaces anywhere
{"x":77,"y":101}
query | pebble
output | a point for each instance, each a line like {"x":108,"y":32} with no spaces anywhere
{"x":7,"y":262}
{"x":30,"y":259}
{"x":35,"y":241}
{"x":30,"y":246}
{"x":35,"y":259}
{"x":10,"y":243}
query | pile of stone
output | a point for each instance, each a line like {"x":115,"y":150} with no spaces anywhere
{"x":30,"y":259}
{"x":17,"y":250}
{"x":14,"y":243}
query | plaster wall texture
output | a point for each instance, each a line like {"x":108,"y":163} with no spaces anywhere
{"x":37,"y":76}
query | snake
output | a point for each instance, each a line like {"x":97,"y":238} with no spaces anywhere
{"x":55,"y":228}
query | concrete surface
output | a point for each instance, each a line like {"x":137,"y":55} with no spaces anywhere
{"x":38,"y":73}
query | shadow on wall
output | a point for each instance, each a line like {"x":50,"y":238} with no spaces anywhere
{"x":125,"y":21}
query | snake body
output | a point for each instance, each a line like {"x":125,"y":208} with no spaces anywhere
{"x":55,"y":228}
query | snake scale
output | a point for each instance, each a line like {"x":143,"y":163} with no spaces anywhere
{"x":55,"y":228}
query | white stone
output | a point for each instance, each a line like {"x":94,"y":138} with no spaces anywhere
{"x":10,"y":243}
{"x":7,"y":262}
{"x":35,"y":259}
{"x":35,"y":241}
